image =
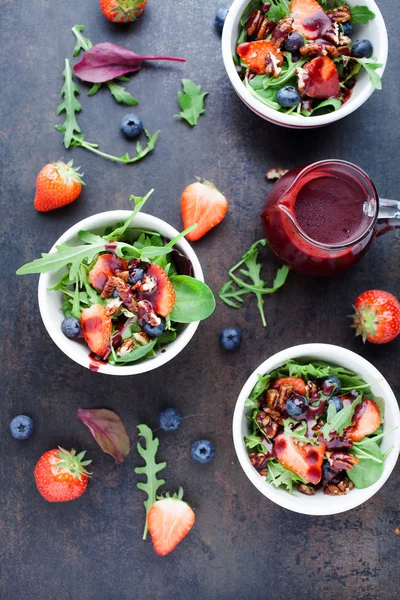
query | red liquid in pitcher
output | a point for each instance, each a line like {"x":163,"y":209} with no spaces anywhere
{"x":327,"y":205}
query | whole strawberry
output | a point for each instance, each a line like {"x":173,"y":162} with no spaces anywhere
{"x":61,"y":475}
{"x":57,"y":185}
{"x":377,"y":317}
{"x":122,"y":11}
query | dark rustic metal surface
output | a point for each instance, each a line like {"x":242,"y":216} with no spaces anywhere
{"x":242,"y":545}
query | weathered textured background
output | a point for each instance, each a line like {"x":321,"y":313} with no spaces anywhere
{"x":242,"y":546}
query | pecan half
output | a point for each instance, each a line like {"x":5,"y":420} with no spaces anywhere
{"x":147,"y":284}
{"x":319,"y":49}
{"x":275,"y":415}
{"x":257,"y":26}
{"x":275,"y":174}
{"x":282,"y":31}
{"x":141,"y":338}
{"x":339,"y":489}
{"x":342,"y":461}
{"x":122,"y":275}
{"x":309,"y":490}
{"x":332,"y":34}
{"x":259,"y":462}
{"x":147,"y":313}
{"x":341,"y":14}
{"x":267,"y":424}
{"x":273,"y":64}
{"x":272,"y":398}
{"x":311,"y":389}
{"x":285,"y":391}
{"x":123,"y":289}
{"x":113,"y":307}
{"x":126,"y":347}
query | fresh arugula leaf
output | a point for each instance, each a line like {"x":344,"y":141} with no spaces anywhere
{"x":253,"y":441}
{"x":361,"y":15}
{"x":194,"y":299}
{"x":80,"y":142}
{"x":232,"y":291}
{"x":278,"y":476}
{"x":297,"y":430}
{"x":266,"y":95}
{"x":94,"y":89}
{"x":70,"y":105}
{"x":259,"y":388}
{"x":342,"y":419}
{"x":139,"y":202}
{"x":191,"y":101}
{"x":371,"y":65}
{"x":120,"y":94}
{"x":82,"y":42}
{"x":150,"y":469}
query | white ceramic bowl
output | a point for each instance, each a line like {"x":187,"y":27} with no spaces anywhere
{"x":374,"y":30}
{"x":320,"y":504}
{"x":50,"y":302}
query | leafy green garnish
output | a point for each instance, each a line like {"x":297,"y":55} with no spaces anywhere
{"x":232,"y":291}
{"x":297,"y":430}
{"x":135,"y":354}
{"x":340,"y":420}
{"x":150,"y":469}
{"x":361,"y":14}
{"x":370,"y":468}
{"x":191,"y":101}
{"x":118,"y":91}
{"x":194,"y":300}
{"x":80,"y":142}
{"x":70,"y":105}
{"x":253,"y":441}
{"x":278,"y":475}
{"x":335,"y":103}
{"x":371,"y":65}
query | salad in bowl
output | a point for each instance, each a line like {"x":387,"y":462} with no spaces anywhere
{"x":120,"y":293}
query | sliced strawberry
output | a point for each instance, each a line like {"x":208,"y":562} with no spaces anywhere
{"x":303,"y":459}
{"x":96,"y":328}
{"x":257,"y":54}
{"x":203,"y":204}
{"x":319,"y":78}
{"x":169,"y":521}
{"x":298,"y":385}
{"x":310,"y":19}
{"x":367,"y":419}
{"x":163,"y":296}
{"x":105,"y":266}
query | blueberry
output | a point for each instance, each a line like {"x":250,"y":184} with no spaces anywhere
{"x":71,"y":327}
{"x":154,"y":330}
{"x":337,"y":402}
{"x":169,"y":419}
{"x":330,"y":386}
{"x":293,"y":42}
{"x":230,"y":338}
{"x":115,"y":294}
{"x":362,"y":49}
{"x":136,"y":275}
{"x":296,"y":405}
{"x":131,"y":126}
{"x":21,"y":427}
{"x":202,"y":451}
{"x":347,"y":28}
{"x":288,"y":96}
{"x":220,"y":17}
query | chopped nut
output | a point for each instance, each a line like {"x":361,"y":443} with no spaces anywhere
{"x":148,"y":283}
{"x":267,"y":422}
{"x":141,"y":338}
{"x":123,"y":289}
{"x":309,"y":490}
{"x":344,"y":40}
{"x":274,"y":174}
{"x":122,"y":275}
{"x":344,"y":50}
{"x":113,"y":307}
{"x":259,"y":461}
{"x":282,"y":31}
{"x":273,"y":64}
{"x":311,"y":389}
{"x":272,"y":398}
{"x":342,"y":461}
{"x":257,"y":26}
{"x":339,"y":489}
{"x":285,"y":391}
{"x":275,"y":415}
{"x":396,"y":531}
{"x":319,"y":49}
{"x":151,"y":316}
{"x":302,"y":79}
{"x":332,"y":34}
{"x":341,"y":14}
{"x":126,"y":347}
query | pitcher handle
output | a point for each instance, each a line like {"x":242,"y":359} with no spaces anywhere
{"x":389,"y":216}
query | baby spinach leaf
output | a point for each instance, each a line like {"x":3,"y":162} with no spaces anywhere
{"x":361,"y":15}
{"x":150,"y":469}
{"x":70,"y":105}
{"x":136,"y":354}
{"x":371,"y":465}
{"x":194,"y":300}
{"x":191,"y":101}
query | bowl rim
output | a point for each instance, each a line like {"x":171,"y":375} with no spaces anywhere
{"x":339,"y":355}
{"x":297,"y":121}
{"x":102,"y":220}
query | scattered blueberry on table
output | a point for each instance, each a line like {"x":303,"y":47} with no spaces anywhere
{"x":71,"y":327}
{"x":21,"y":427}
{"x":202,"y":451}
{"x":169,"y":419}
{"x":230,"y":338}
{"x":131,"y":126}
{"x":288,"y":96}
{"x":220,"y":17}
{"x":362,"y":49}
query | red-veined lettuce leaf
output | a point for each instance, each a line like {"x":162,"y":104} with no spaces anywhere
{"x":108,"y":430}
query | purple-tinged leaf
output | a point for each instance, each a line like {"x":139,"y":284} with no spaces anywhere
{"x":106,"y":61}
{"x":108,"y":430}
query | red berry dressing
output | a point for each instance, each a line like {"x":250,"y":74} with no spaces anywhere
{"x":95,"y":362}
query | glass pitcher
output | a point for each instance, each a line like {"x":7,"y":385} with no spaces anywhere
{"x":321,"y":218}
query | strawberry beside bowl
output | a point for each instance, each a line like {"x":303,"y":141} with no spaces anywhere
{"x":321,"y":503}
{"x":374,"y":31}
{"x":50,"y":302}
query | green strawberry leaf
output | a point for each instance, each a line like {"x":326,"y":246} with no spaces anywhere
{"x":191,"y":101}
{"x":70,"y":105}
{"x":150,"y":469}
